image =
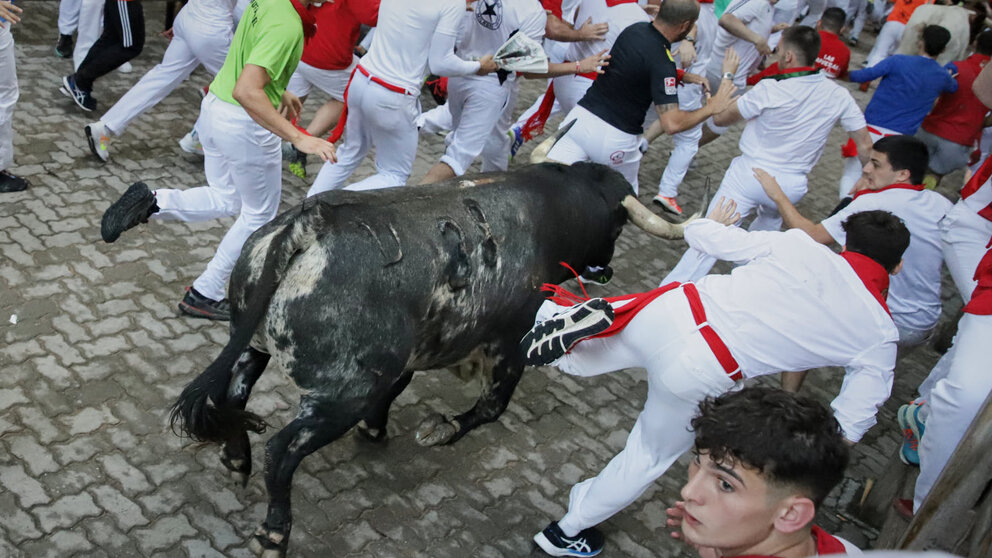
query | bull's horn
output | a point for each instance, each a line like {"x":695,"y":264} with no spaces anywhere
{"x":540,"y":153}
{"x":651,"y":223}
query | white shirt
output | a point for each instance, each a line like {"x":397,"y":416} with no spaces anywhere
{"x":797,"y":305}
{"x":914,"y":293}
{"x":403,"y":37}
{"x":789,"y":120}
{"x":757,"y":16}
{"x":619,"y":17}
{"x":219,"y":13}
{"x":486,"y":28}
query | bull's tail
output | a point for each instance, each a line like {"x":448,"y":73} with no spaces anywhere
{"x":201,"y":411}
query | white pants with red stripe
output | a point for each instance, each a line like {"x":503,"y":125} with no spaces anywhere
{"x":955,"y":399}
{"x":476,"y":104}
{"x":740,"y":185}
{"x":9,"y":93}
{"x":662,"y":338}
{"x":555,"y":110}
{"x":496,"y":153}
{"x":686,"y":143}
{"x":886,"y":43}
{"x":194,"y":42}
{"x":379,"y":118}
{"x":592,"y":139}
{"x":243,"y":165}
{"x":89,"y":29}
{"x":852,"y":165}
{"x":965,"y":235}
{"x":569,"y":90}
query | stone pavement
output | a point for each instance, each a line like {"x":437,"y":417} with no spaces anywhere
{"x":88,"y":466}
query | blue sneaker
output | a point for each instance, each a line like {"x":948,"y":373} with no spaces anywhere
{"x":553,"y":541}
{"x":912,"y":431}
{"x":83,"y":99}
{"x":516,"y":140}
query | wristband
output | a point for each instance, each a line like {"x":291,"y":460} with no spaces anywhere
{"x":578,"y":68}
{"x":728,"y":76}
{"x":691,"y":39}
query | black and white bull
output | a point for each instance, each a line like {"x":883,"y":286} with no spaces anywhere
{"x":352,"y":292}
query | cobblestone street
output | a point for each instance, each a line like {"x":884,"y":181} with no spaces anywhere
{"x":93,"y":352}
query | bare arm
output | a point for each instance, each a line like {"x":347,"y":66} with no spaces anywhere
{"x":863,"y":140}
{"x":673,"y":120}
{"x":594,"y":63}
{"x":737,"y":28}
{"x":559,"y":30}
{"x":790,"y":215}
{"x":249,"y":93}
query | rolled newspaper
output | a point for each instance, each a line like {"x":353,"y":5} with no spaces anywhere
{"x":520,"y":53}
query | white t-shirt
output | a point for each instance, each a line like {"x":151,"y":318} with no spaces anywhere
{"x":757,"y":15}
{"x":789,"y":120}
{"x":619,"y":17}
{"x":914,"y":293}
{"x":797,"y":305}
{"x":403,"y":37}
{"x":486,"y":28}
{"x":219,"y":13}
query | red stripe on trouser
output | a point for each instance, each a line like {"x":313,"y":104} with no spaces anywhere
{"x":339,"y":128}
{"x":535,"y":124}
{"x":719,"y":348}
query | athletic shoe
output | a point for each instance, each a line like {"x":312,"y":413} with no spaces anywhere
{"x":63,"y":48}
{"x":132,"y":209}
{"x":125,"y":68}
{"x":600,"y":275}
{"x":98,"y":137}
{"x":516,"y":141}
{"x":196,"y":305}
{"x":549,"y":340}
{"x":912,"y":432}
{"x":12,"y":183}
{"x":83,"y":99}
{"x":298,"y":163}
{"x":191,"y":143}
{"x":668,"y":204}
{"x":589,"y":542}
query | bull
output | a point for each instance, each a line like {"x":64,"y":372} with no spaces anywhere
{"x":351,"y":292}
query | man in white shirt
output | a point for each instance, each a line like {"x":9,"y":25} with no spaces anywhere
{"x":793,"y":304}
{"x":382,"y":102}
{"x":892,"y":182}
{"x":789,"y":116}
{"x":745,"y":27}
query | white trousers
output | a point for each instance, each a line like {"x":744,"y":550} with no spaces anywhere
{"x":476,"y":105}
{"x":68,"y":16}
{"x":569,"y":90}
{"x":496,"y":153}
{"x":380,"y":118}
{"x":886,"y":43}
{"x":816,"y":8}
{"x":592,"y":139}
{"x":686,"y":144}
{"x":555,"y":110}
{"x":89,"y":29}
{"x":8,"y":97}
{"x":681,"y":370}
{"x":853,"y":169}
{"x":964,"y":235}
{"x":740,"y":185}
{"x":332,"y":82}
{"x":193,"y":43}
{"x":706,"y":28}
{"x":955,"y":399}
{"x":243,"y":164}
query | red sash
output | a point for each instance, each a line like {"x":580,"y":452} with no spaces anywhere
{"x":872,"y":274}
{"x":339,"y":128}
{"x":981,"y":299}
{"x":977,"y":181}
{"x":535,"y":124}
{"x":850,"y":149}
{"x":611,"y":3}
{"x":918,"y":188}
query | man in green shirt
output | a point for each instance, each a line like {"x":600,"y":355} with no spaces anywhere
{"x":242,"y":120}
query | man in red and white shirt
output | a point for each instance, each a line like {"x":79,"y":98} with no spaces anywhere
{"x":967,"y":228}
{"x":383,"y":95}
{"x":892,"y":182}
{"x":789,"y":118}
{"x":792,"y":305}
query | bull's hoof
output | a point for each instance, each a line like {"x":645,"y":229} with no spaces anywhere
{"x":268,"y":544}
{"x":371,"y":434}
{"x":240,"y":469}
{"x":435,"y":430}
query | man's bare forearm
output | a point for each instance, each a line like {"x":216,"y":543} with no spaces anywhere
{"x":256,"y":103}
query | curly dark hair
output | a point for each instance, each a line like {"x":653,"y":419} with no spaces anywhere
{"x":877,"y":234}
{"x":790,"y":440}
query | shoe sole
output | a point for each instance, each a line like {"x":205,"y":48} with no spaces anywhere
{"x":562,"y":332}
{"x":549,"y":548}
{"x":119,"y":216}
{"x":905,"y":423}
{"x":93,"y":147}
{"x":194,"y":312}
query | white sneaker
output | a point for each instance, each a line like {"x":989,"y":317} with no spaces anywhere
{"x":191,"y":143}
{"x":98,"y":137}
{"x":125,"y":68}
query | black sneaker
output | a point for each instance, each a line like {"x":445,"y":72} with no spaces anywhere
{"x":589,"y":542}
{"x":83,"y":99}
{"x":63,"y":48}
{"x":132,"y":209}
{"x":549,"y":340}
{"x":196,"y":305}
{"x":600,"y":276}
{"x":12,"y":183}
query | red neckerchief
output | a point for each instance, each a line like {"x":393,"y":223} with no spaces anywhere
{"x":825,"y":544}
{"x":872,"y":274}
{"x":917,"y":187}
{"x":611,"y":3}
{"x":306,"y":18}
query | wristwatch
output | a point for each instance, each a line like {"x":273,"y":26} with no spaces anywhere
{"x":690,"y":39}
{"x":728,"y":76}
